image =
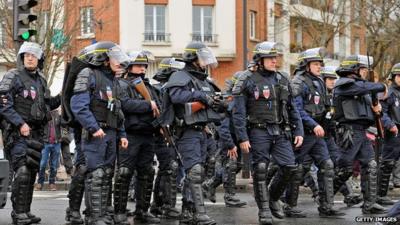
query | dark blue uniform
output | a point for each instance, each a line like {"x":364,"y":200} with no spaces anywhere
{"x":264,"y":109}
{"x":353,"y":112}
{"x":96,"y":104}
{"x":25,"y":99}
{"x":391,"y":151}
{"x":311,"y":101}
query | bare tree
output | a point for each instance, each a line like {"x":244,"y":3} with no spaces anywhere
{"x":382,"y":21}
{"x":320,"y":21}
{"x":53,"y":32}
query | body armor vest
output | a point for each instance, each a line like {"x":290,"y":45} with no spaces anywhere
{"x":354,"y":108}
{"x":315,"y":103}
{"x":106,"y":110}
{"x":394,"y":110}
{"x":202,"y":116}
{"x":30,"y":104}
{"x":266,"y":105}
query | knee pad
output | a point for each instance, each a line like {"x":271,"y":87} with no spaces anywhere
{"x":195,"y":173}
{"x":231,"y":164}
{"x":173,"y":165}
{"x":372,"y":166}
{"x":387,"y":166}
{"x":98,"y":173}
{"x":260,"y":171}
{"x":124,"y":172}
{"x":80,"y":170}
{"x":327,"y":165}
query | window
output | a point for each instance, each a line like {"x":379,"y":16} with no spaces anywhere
{"x":356,"y":45}
{"x":155,"y":23}
{"x":203,"y":24}
{"x":87,"y":27}
{"x":253,"y":16}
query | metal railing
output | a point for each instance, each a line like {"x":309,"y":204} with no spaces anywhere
{"x":157,"y":37}
{"x":210,"y":38}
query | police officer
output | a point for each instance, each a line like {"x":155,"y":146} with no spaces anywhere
{"x":25,"y":104}
{"x":228,"y":158}
{"x":140,"y":114}
{"x":354,"y":113}
{"x":310,"y":92}
{"x":329,"y":76}
{"x":191,"y":94}
{"x":165,"y":189}
{"x":96,"y":106}
{"x":264,"y":97}
{"x":391,"y":121}
{"x":77,"y":185}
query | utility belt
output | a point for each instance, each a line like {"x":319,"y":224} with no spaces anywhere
{"x":261,"y":125}
{"x":195,"y":127}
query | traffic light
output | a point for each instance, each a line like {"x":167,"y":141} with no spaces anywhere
{"x":23,"y":16}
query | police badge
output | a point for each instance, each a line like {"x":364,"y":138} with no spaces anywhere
{"x":266,"y":92}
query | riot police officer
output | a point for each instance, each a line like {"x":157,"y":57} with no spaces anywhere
{"x":165,"y":189}
{"x":310,"y":92}
{"x":96,"y":106}
{"x":264,"y":97}
{"x":354,"y":113}
{"x":140,"y":114}
{"x":77,"y":185}
{"x":191,"y":94}
{"x":25,"y":104}
{"x":229,"y":157}
{"x":391,"y":121}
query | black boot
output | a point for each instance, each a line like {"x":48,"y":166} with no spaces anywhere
{"x":20,"y":196}
{"x":350,"y":198}
{"x":278,"y":185}
{"x":325,"y":184}
{"x":32,"y":217}
{"x":94,"y":197}
{"x":121,"y":188}
{"x":144,"y":189}
{"x":194,"y":177}
{"x":368,"y":186}
{"x":292,"y":193}
{"x":230,"y":185}
{"x":107,"y":196}
{"x":261,"y":194}
{"x":75,"y":195}
{"x":385,"y":171}
{"x":170,"y":190}
{"x":187,"y":212}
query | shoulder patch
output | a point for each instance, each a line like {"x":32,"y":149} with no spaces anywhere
{"x":297,"y":85}
{"x":178,"y":79}
{"x":82,"y":80}
{"x":238,"y":86}
{"x":6,"y":83}
{"x":344,"y":81}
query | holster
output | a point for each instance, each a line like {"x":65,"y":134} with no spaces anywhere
{"x":344,"y":136}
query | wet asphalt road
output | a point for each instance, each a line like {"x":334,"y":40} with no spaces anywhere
{"x":51,"y":207}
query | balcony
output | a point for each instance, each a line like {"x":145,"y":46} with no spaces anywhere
{"x":208,"y":38}
{"x":157,"y":37}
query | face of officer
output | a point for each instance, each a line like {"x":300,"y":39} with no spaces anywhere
{"x":315,"y":68}
{"x":30,"y":61}
{"x":330,"y":83}
{"x":279,"y":61}
{"x":138,"y":69}
{"x":269,"y":63}
{"x":364,"y":73}
{"x":397,"y":79}
{"x":116,"y":67}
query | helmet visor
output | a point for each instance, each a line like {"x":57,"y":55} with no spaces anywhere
{"x":118,"y":56}
{"x":206,"y":57}
{"x":32,"y":48}
{"x":173,"y":64}
{"x":364,"y":61}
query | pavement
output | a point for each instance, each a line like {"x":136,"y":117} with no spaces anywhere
{"x":50,"y":206}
